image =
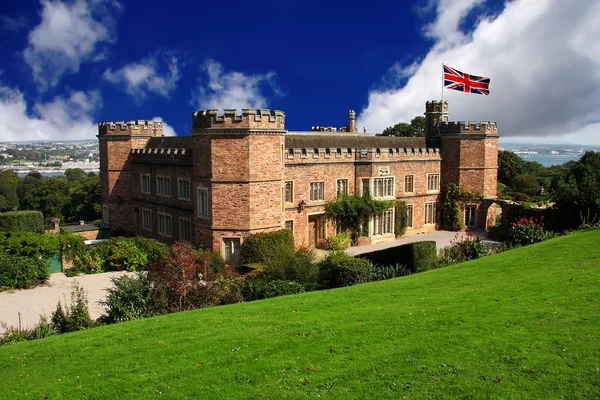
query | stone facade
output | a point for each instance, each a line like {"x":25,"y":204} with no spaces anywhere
{"x":241,"y":174}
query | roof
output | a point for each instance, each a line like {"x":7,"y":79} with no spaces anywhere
{"x":309,"y":140}
{"x":169,"y":142}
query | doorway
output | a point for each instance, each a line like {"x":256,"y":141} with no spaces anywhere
{"x":470,"y":212}
{"x":316,"y":230}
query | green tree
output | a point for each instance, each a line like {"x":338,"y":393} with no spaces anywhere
{"x":51,"y":196}
{"x":76,"y":175}
{"x":9,"y":201}
{"x":510,"y":166}
{"x":416,"y":128}
{"x":85,"y":200}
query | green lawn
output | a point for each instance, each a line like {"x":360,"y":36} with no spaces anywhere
{"x":524,"y":324}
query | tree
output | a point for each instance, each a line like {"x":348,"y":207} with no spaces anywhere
{"x":48,"y":195}
{"x":85,"y":200}
{"x":510,"y":166}
{"x":9,"y":201}
{"x":416,"y":128}
{"x":75,"y":175}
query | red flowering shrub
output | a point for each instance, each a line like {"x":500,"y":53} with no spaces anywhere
{"x":527,"y":231}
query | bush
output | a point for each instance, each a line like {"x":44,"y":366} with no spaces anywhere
{"x":22,"y":221}
{"x":340,"y":241}
{"x":130,"y":298}
{"x":18,"y":272}
{"x":463,"y":247}
{"x":401,"y":218}
{"x":124,"y":254}
{"x":339,"y":269}
{"x":299,"y":266}
{"x":498,"y":233}
{"x":223,"y":290}
{"x":256,"y":287}
{"x":261,"y":247}
{"x":383,"y":272}
{"x":154,"y":249}
{"x":73,"y":317}
{"x":40,"y":245}
{"x":424,"y":256}
{"x":527,"y":231}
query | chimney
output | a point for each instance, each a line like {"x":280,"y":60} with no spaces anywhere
{"x":351,"y":121}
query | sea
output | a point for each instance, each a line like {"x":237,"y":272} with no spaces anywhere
{"x":548,"y":160}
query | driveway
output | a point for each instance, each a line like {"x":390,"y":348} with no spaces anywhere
{"x":42,"y":300}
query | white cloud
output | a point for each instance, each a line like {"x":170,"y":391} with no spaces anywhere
{"x":68,"y":35}
{"x":156,"y":74}
{"x":232,"y":89}
{"x":167,"y":129}
{"x":544,"y":69}
{"x":64,"y":118}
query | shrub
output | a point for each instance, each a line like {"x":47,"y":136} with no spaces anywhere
{"x":340,"y":241}
{"x":383,"y":272}
{"x":424,"y":256}
{"x":527,"y":231}
{"x":22,"y":221}
{"x":40,"y":245}
{"x":256,"y":287}
{"x":261,"y":247}
{"x":463,"y":247}
{"x":299,"y":266}
{"x":129,"y":298}
{"x":17,"y":272}
{"x":339,"y":269}
{"x":42,"y":329}
{"x":498,"y":233}
{"x":401,"y":218}
{"x":153,"y":248}
{"x":223,"y":290}
{"x":124,"y":254}
{"x":73,"y":317}
{"x":179,"y":276}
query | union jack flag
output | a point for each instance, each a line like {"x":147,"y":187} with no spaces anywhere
{"x":456,"y":80}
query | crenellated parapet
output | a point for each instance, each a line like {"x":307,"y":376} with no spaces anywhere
{"x":457,"y":127}
{"x":230,"y":119}
{"x":436,"y":106}
{"x":172,"y":156}
{"x":139,"y":127}
{"x":398,"y":154}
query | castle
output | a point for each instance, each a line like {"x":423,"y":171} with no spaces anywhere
{"x":241,"y":174}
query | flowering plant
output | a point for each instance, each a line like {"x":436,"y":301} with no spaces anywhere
{"x":527,"y":231}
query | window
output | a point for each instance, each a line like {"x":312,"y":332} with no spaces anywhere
{"x":365,"y":187}
{"x":289,"y":225}
{"x":383,"y":187}
{"x":105,"y":214}
{"x":409,"y":216}
{"x":163,"y":186}
{"x":289,"y":192}
{"x":183,"y":188}
{"x":145,"y":183}
{"x":430,"y":213}
{"x":409,"y":183}
{"x":203,"y":202}
{"x":342,"y":187}
{"x":433,"y":182}
{"x":146,"y":219}
{"x":470,"y":211}
{"x":384,"y":223}
{"x":317,"y":191}
{"x":231,"y":248}
{"x":185,"y":229}
{"x":165,"y":224}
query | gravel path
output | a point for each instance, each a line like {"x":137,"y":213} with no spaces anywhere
{"x":42,"y":300}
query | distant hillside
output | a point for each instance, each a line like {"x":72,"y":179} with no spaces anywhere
{"x":521,"y":324}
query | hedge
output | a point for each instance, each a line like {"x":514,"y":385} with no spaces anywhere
{"x":18,"y":272}
{"x":339,"y":269}
{"x":418,"y":257}
{"x":261,"y":247}
{"x":38,"y":245}
{"x":22,"y":221}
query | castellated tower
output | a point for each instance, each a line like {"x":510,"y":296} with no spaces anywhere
{"x":435,"y":113}
{"x":239,"y":170}
{"x":116,"y":141}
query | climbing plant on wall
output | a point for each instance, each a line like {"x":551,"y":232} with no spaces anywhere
{"x":452,"y":198}
{"x":352,"y":212}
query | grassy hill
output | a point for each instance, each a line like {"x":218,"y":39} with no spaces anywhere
{"x":522,"y":324}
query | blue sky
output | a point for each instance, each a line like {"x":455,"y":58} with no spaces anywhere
{"x":66,"y":65}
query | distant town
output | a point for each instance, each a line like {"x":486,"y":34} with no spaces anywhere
{"x":49,"y":157}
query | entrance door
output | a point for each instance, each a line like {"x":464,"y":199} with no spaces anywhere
{"x":316,"y":230}
{"x":470,"y":211}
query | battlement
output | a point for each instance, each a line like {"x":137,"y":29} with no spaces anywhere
{"x":455,"y":127}
{"x":230,"y":119}
{"x":139,"y":127}
{"x":174,"y":156}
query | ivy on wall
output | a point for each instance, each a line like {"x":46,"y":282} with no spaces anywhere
{"x":401,"y":218}
{"x":352,"y":212}
{"x":452,"y":198}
